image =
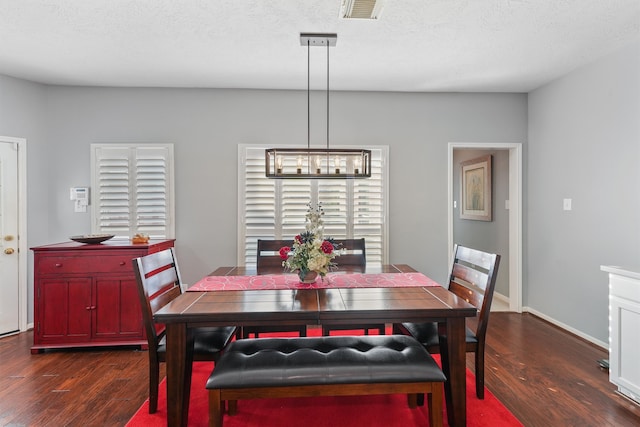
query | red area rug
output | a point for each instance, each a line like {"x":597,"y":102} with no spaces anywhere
{"x":383,"y":410}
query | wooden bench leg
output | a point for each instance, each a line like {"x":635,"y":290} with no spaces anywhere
{"x":434,"y":404}
{"x":233,"y":407}
{"x":215,"y":408}
{"x":412,"y":400}
{"x":419,"y":399}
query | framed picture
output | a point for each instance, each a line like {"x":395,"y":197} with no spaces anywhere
{"x":476,"y":189}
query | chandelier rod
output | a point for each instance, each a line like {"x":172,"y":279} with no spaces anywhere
{"x":308,"y":95}
{"x":316,"y":162}
{"x":327,"y":94}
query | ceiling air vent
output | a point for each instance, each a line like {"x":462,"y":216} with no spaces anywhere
{"x":361,"y":9}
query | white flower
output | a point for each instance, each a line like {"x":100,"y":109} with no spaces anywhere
{"x":307,"y":254}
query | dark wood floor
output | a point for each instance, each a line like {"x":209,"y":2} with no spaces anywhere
{"x":548,"y":377}
{"x":544,"y":375}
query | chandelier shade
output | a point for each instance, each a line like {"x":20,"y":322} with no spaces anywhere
{"x":317,"y":163}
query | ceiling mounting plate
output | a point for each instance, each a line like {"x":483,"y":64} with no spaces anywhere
{"x":318,"y":39}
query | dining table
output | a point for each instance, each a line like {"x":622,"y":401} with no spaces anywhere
{"x":239,"y":296}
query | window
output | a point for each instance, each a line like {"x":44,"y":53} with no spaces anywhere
{"x":132,"y":189}
{"x":275,"y":208}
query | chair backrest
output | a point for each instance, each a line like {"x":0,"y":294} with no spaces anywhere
{"x":353,"y":252}
{"x":473,"y":278}
{"x":268,"y":255}
{"x":159,"y":283}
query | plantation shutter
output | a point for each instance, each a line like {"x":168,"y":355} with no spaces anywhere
{"x":335,"y":202}
{"x":276,"y":208}
{"x":258,"y":203}
{"x":369,"y":208}
{"x":133,"y":190}
{"x":294,"y":199}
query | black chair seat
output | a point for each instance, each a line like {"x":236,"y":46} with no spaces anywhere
{"x":427,"y":333}
{"x":209,"y":340}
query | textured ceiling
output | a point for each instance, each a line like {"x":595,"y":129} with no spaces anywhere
{"x":416,"y":45}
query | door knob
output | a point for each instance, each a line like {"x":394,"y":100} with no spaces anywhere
{"x":9,"y":251}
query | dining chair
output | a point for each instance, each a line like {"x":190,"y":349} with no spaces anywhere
{"x":268,"y":261}
{"x":159,"y":283}
{"x":473,"y":278}
{"x":268,"y":255}
{"x":354,"y":256}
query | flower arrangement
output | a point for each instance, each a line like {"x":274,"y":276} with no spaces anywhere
{"x":311,"y":252}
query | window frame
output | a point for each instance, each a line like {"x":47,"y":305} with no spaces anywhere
{"x":242,"y":245}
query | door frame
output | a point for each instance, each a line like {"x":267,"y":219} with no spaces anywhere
{"x":515,"y":211}
{"x":23,"y":253}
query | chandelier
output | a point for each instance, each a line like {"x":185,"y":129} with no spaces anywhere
{"x":320,"y":163}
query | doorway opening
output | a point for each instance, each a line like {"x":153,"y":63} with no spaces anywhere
{"x":13,"y":232}
{"x":513,"y":204}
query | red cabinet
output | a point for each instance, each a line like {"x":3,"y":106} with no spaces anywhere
{"x":85,"y":295}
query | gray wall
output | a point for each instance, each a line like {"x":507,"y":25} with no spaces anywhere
{"x":206,"y":125}
{"x":22,"y":115}
{"x":490,"y":236}
{"x":584,"y":144}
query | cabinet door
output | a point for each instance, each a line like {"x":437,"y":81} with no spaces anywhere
{"x":625,"y":346}
{"x":117,"y":314}
{"x":65,"y":309}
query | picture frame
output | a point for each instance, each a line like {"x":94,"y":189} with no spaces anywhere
{"x":475,"y":192}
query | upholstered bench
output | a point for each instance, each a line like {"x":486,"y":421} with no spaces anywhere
{"x":324,"y":366}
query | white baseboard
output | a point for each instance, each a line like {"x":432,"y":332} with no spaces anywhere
{"x":500,"y":302}
{"x":29,"y":326}
{"x":602,"y":344}
{"x":501,"y":298}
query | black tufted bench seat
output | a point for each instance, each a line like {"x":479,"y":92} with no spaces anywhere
{"x":324,"y":366}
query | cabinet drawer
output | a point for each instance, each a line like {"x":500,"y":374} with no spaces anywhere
{"x":84,"y":264}
{"x":625,"y":287}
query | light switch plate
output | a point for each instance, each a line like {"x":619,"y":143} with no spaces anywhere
{"x":566,"y":204}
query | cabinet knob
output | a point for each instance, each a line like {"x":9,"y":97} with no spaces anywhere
{"x":58,"y":264}
{"x":9,"y":251}
{"x":122,"y":263}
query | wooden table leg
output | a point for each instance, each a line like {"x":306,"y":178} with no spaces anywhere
{"x":456,"y":385}
{"x":179,"y":365}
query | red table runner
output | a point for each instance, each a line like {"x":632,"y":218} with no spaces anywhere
{"x":331,"y":280}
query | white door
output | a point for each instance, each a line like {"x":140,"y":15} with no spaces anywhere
{"x":9,"y":283}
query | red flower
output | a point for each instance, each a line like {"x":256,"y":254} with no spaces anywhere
{"x":299,"y":239}
{"x":327,"y":247}
{"x":284,"y":252}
